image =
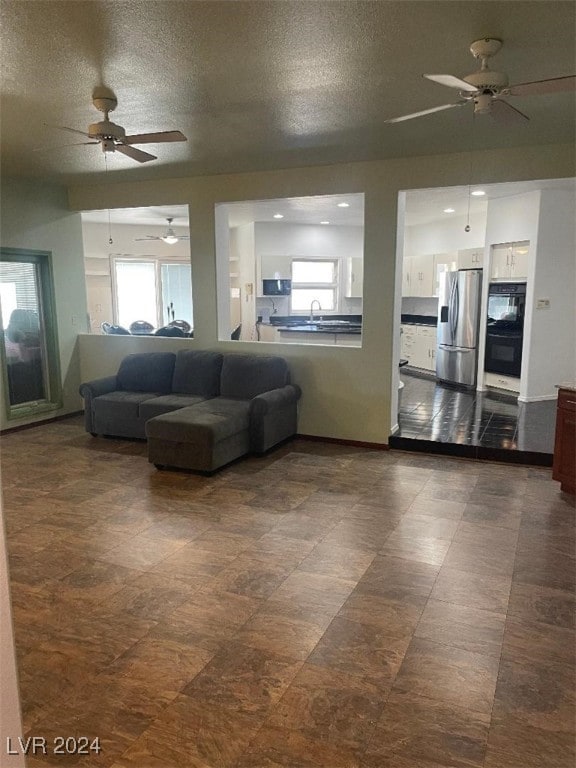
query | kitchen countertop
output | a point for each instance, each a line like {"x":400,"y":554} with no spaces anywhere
{"x":321,"y":328}
{"x":330,"y":324}
{"x":419,"y":320}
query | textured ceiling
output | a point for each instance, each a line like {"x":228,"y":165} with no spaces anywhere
{"x":267,"y":84}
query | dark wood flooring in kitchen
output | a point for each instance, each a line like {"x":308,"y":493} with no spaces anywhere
{"x":322,"y":606}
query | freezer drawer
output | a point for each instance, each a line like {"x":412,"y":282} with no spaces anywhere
{"x":457,"y":365}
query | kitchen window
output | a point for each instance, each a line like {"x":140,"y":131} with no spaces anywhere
{"x":153,"y":291}
{"x":314,"y":280}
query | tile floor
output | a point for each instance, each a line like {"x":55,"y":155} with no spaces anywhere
{"x":324,"y":606}
{"x":441,"y":414}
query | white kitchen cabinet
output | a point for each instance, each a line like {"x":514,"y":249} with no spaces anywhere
{"x":418,"y":276}
{"x":355,"y":277}
{"x":418,"y":346}
{"x":471,"y":258}
{"x":510,"y":261}
{"x":267,"y":332}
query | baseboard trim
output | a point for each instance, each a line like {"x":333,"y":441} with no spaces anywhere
{"x":341,"y":441}
{"x":40,"y":422}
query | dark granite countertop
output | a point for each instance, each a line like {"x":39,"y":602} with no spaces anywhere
{"x":346,"y":328}
{"x":418,"y":320}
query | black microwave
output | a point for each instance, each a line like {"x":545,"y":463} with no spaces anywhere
{"x":276,"y":287}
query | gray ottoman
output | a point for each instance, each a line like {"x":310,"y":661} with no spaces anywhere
{"x":202,"y":437}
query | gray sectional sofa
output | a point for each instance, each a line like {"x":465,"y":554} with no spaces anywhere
{"x":198,"y":409}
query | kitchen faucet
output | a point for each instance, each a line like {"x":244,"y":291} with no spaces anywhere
{"x":314,"y":301}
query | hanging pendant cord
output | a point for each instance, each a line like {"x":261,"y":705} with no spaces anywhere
{"x":470,"y":160}
{"x":110,"y":241}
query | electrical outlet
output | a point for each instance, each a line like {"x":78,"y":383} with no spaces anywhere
{"x":542,"y":303}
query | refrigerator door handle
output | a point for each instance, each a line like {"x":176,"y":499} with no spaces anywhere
{"x":455,"y":349}
{"x":452,"y":309}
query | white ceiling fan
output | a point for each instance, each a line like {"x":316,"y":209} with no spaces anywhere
{"x":112,"y":137}
{"x":169,"y":237}
{"x":486,"y":88}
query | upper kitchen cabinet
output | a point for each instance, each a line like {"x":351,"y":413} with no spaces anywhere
{"x":420,"y":274}
{"x":510,"y":261}
{"x":355,"y":277}
{"x":471,"y":258}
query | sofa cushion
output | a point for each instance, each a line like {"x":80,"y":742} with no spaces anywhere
{"x":197,"y":372}
{"x":166,"y":403}
{"x":121,"y":405}
{"x":212,"y":420}
{"x":147,"y":372}
{"x":245,"y":376}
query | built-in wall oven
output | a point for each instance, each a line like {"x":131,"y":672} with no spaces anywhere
{"x":505,"y":328}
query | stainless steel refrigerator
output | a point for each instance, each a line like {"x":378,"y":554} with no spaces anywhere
{"x":458,"y":326}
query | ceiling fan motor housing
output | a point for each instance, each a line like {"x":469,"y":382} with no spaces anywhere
{"x":106,"y":130}
{"x":487,"y":80}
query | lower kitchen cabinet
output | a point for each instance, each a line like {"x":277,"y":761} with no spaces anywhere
{"x":500,"y":381}
{"x":418,"y":346}
{"x":564,"y":466}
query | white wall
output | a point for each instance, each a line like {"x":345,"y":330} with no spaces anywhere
{"x":445,"y":236}
{"x":346,"y":391}
{"x":36,"y":216}
{"x":550,"y":347}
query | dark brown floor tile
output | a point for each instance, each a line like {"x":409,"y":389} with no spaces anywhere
{"x":337,"y":561}
{"x":360,"y":650}
{"x":189,"y":734}
{"x":470,"y":629}
{"x":488,"y":512}
{"x":141,"y":553}
{"x":317,"y":591}
{"x":276,"y":747}
{"x":207,"y":619}
{"x":460,"y":678}
{"x":473,"y":590}
{"x":192,"y":564}
{"x":415,"y":728}
{"x":485,"y":535}
{"x":251,"y":576}
{"x":355,"y":533}
{"x":275,"y":631}
{"x":513,"y":743}
{"x":546,"y":569}
{"x":426,"y":526}
{"x":394,"y":578}
{"x":330,"y":706}
{"x":542,"y":695}
{"x":494,"y":560}
{"x":243,"y":679}
{"x":549,"y":606}
{"x":178,"y":528}
{"x":421,"y":549}
{"x":443,"y":509}
{"x":150,"y":596}
{"x":393,"y":617}
{"x":531,"y":641}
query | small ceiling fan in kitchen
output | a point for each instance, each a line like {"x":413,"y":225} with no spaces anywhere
{"x":113,"y":138}
{"x":169,"y":237}
{"x":486,"y":89}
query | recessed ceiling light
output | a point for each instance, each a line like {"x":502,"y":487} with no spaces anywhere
{"x":448,"y":210}
{"x":324,"y":222}
{"x":478,"y":193}
{"x":343,"y":205}
{"x":278,"y":216}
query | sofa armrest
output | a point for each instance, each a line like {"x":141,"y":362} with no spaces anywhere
{"x":91,"y":389}
{"x":268,"y":402}
{"x":273,"y":417}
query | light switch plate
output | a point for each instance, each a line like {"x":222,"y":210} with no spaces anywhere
{"x":542,"y":303}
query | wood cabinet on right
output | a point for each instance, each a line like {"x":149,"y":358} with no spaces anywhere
{"x":564,"y":466}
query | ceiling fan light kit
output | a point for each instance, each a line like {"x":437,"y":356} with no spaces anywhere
{"x":486,"y":87}
{"x":169,"y":237}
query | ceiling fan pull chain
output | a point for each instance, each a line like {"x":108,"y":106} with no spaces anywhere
{"x":467,"y":228}
{"x":110,"y":241}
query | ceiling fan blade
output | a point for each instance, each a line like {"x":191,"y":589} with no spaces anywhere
{"x":553,"y":85}
{"x":71,"y":130}
{"x":148,"y":238}
{"x":425,"y":112}
{"x":154,"y":138}
{"x":135,"y":154}
{"x":452,"y":82}
{"x":507,"y":114}
{"x":63,"y":146}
